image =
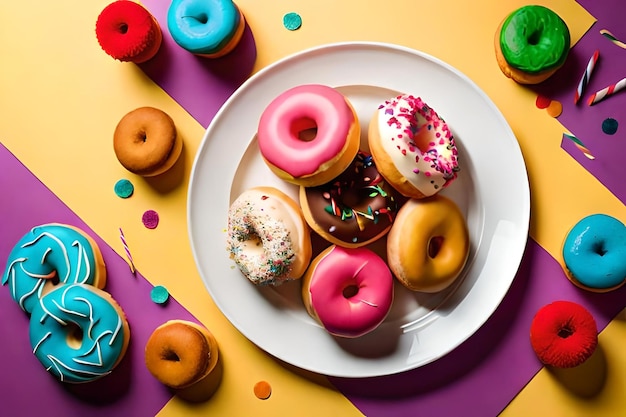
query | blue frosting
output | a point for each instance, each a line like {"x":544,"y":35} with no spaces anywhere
{"x":594,"y":252}
{"x":41,"y":253}
{"x":57,"y":318}
{"x":202,"y":26}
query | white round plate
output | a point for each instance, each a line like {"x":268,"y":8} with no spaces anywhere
{"x":492,"y":190}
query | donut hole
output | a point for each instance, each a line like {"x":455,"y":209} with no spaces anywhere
{"x":122,"y":28}
{"x":434,"y":246}
{"x":202,"y":18}
{"x":534,"y":37}
{"x":170,"y":355}
{"x":350,"y":291}
{"x":304,"y":128}
{"x":598,"y":248}
{"x":565,"y":332}
{"x":74,"y":336}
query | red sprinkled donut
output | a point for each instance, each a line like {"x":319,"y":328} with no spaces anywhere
{"x":563,"y":334}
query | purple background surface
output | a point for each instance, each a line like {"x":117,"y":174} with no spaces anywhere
{"x":583,"y":121}
{"x":128,"y":391}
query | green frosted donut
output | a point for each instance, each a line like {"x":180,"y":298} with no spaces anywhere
{"x":534,"y":39}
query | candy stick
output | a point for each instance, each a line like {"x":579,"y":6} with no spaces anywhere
{"x":128,"y":255}
{"x":580,"y":146}
{"x":612,"y":38}
{"x":586,"y":76}
{"x":607,"y":92}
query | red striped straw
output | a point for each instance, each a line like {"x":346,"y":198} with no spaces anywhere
{"x":128,"y":255}
{"x":607,"y":92}
{"x":584,"y":80}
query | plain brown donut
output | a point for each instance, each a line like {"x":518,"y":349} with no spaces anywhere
{"x":145,"y":141}
{"x":180,"y":353}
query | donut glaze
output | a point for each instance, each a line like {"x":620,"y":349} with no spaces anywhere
{"x":428,"y":244}
{"x":534,"y":39}
{"x":52,"y":253}
{"x":413,"y":147}
{"x":78,"y":333}
{"x":354,"y":209}
{"x":302,"y":161}
{"x":267,"y":236}
{"x":594,"y":253}
{"x":349,"y":291}
{"x":146,"y":142}
{"x":563,"y":334}
{"x":209,"y":28}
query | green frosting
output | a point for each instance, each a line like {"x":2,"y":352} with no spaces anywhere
{"x":534,"y":39}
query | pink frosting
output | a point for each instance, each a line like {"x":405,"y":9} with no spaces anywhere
{"x":351,"y":291}
{"x":298,"y":109}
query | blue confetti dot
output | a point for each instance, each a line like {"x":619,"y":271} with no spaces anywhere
{"x":609,"y":126}
{"x":159,"y":294}
{"x":292,"y":21}
{"x":124,"y":188}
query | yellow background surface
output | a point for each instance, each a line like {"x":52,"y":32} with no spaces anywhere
{"x":61,"y":97}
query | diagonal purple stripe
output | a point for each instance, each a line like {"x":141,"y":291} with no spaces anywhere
{"x":26,"y":389}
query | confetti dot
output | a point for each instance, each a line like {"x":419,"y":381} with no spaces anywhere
{"x":555,"y":108}
{"x":150,"y":219}
{"x":262,"y":390}
{"x":124,"y":188}
{"x":609,"y":126}
{"x":159,"y":294}
{"x":542,"y":102}
{"x":292,"y":21}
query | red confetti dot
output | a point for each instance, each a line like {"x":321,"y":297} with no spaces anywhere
{"x":150,"y":219}
{"x":542,"y":102}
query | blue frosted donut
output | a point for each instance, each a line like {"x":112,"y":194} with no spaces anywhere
{"x":594,"y":253}
{"x":210,"y":28}
{"x":48,"y":254}
{"x":78,"y":333}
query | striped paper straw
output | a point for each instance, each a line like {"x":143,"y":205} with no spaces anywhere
{"x":584,"y":80}
{"x":612,"y":38}
{"x":581,"y":147}
{"x":607,"y":92}
{"x":128,"y":255}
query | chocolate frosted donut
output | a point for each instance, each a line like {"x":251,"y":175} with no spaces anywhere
{"x":354,"y":209}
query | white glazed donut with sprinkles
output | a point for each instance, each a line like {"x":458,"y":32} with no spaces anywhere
{"x":268,"y":237}
{"x":413,"y":147}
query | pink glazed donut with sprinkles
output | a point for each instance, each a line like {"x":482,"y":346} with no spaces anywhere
{"x":413,"y":147}
{"x":349,"y":291}
{"x":309,"y":134}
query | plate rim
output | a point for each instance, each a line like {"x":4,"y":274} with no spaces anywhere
{"x":358,"y":45}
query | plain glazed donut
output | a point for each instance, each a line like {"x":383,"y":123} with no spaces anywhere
{"x":78,"y":333}
{"x":413,"y":147}
{"x":146,"y":143}
{"x":354,"y":209}
{"x":303,"y":160}
{"x":268,"y":237}
{"x":594,"y":253}
{"x":208,"y":28}
{"x":428,"y":244}
{"x":184,"y":355}
{"x":349,"y":291}
{"x":563,"y":334}
{"x":52,"y":254}
{"x":531,"y":44}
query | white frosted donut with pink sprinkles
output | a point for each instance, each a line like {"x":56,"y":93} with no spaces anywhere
{"x":413,"y":147}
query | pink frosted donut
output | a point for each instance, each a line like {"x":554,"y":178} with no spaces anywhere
{"x":349,"y":291}
{"x":309,"y":134}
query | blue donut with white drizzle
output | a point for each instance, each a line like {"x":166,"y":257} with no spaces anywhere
{"x":49,"y":254}
{"x":78,"y":332}
{"x":594,"y":253}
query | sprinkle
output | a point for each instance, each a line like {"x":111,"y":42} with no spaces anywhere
{"x":262,"y":390}
{"x":609,"y":126}
{"x":124,"y":188}
{"x":580,"y":145}
{"x":150,"y":219}
{"x":542,"y":102}
{"x":555,"y":109}
{"x":159,"y":294}
{"x":584,"y":80}
{"x":128,"y":255}
{"x":607,"y":92}
{"x":292,"y":21}
{"x":612,"y":38}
